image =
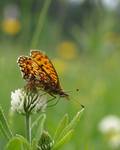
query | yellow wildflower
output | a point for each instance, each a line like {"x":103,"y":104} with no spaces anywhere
{"x":67,"y":50}
{"x":11,"y":26}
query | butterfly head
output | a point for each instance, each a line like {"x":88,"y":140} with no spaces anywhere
{"x":63,"y":94}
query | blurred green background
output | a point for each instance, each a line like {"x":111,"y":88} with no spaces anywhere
{"x":82,"y":38}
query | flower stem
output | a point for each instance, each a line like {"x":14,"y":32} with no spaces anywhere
{"x":28,"y":127}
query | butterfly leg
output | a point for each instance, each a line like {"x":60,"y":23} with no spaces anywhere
{"x":53,"y":97}
{"x":54,"y":103}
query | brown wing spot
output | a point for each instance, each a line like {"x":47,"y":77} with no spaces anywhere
{"x":45,"y":62}
{"x":47,"y":68}
{"x":38,"y":59}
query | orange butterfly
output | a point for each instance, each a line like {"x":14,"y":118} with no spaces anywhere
{"x":39,"y":72}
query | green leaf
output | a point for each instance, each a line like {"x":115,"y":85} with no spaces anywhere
{"x":18,"y":143}
{"x":40,"y":127}
{"x":62,"y":124}
{"x":36,"y":122}
{"x":24,"y":140}
{"x":4,"y":127}
{"x":73,"y":123}
{"x":64,"y":140}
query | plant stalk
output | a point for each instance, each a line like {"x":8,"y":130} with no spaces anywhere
{"x":41,"y":21}
{"x":28,"y":127}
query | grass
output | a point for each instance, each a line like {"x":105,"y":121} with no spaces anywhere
{"x":96,"y":73}
{"x":98,"y":81}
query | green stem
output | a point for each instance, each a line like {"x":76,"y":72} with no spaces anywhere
{"x":28,"y":127}
{"x":41,"y":21}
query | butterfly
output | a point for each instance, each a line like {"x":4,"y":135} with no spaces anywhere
{"x":39,"y":72}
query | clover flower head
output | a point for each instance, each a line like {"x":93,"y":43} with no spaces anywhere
{"x":28,"y":102}
{"x":109,"y":124}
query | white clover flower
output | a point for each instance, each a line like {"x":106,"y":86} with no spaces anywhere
{"x":110,"y":124}
{"x":17,"y":99}
{"x":28,"y":102}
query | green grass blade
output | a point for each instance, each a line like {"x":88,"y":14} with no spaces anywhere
{"x":40,"y":24}
{"x":4,"y":124}
{"x":34,"y":144}
{"x":4,"y":132}
{"x":62,"y":124}
{"x":64,"y":140}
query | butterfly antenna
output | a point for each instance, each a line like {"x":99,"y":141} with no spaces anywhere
{"x":78,"y":103}
{"x":74,"y":100}
{"x":77,"y":90}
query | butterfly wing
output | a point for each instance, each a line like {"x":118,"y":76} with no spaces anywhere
{"x":31,"y":71}
{"x":46,"y":65}
{"x":39,"y":71}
